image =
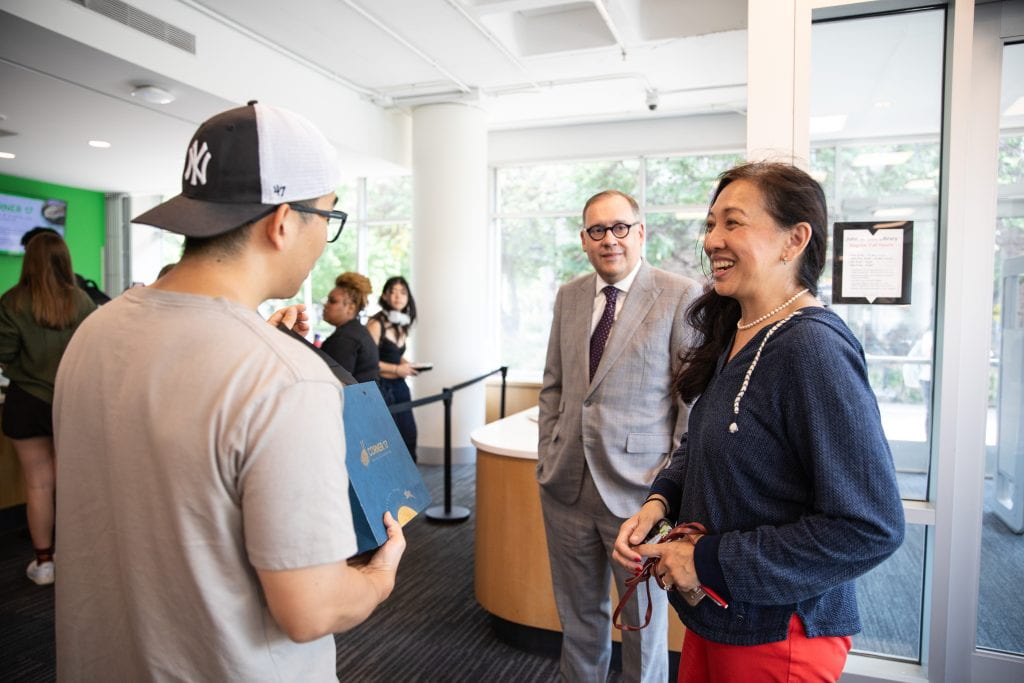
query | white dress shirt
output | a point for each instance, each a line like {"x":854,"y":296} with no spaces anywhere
{"x":622,"y":285}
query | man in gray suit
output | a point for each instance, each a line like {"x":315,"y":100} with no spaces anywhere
{"x":609,"y":421}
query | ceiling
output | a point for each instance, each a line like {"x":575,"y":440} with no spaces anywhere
{"x":525,"y":62}
{"x":59,"y":94}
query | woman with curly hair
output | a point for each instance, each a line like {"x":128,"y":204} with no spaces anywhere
{"x":351,"y":345}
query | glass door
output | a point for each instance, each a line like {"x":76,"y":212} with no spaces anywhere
{"x":1000,"y":625}
{"x":875,"y":145}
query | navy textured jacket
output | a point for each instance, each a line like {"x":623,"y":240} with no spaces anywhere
{"x":800,"y":500}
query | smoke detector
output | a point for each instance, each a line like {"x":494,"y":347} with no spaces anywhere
{"x":152,"y":94}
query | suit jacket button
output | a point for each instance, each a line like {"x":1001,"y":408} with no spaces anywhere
{"x":587,"y":403}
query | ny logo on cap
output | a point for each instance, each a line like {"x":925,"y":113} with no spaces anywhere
{"x":195,"y":165}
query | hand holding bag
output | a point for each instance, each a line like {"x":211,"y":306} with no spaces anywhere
{"x":688,"y":532}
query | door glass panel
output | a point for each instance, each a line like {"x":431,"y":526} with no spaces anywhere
{"x":890,"y":600}
{"x":1000,"y":599}
{"x":876,"y":116}
{"x":876,"y":121}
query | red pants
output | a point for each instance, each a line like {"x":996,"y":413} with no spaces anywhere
{"x":796,"y":659}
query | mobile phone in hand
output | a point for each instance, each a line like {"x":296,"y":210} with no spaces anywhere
{"x":659,"y":531}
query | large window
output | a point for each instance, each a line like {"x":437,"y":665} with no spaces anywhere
{"x":376,"y":242}
{"x":388,"y":228}
{"x":538,"y":217}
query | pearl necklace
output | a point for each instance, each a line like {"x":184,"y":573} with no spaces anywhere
{"x":733,"y":428}
{"x":769,"y":314}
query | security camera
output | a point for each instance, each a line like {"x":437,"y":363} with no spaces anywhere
{"x":652,"y":99}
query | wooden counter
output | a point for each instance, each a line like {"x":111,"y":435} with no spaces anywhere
{"x":513,"y":577}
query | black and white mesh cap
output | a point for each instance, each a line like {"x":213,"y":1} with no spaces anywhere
{"x":241,"y":164}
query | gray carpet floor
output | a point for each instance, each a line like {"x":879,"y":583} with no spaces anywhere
{"x":432,"y":629}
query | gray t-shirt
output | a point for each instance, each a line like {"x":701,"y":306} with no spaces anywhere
{"x":195,"y":443}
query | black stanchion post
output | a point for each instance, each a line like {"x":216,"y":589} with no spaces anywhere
{"x":447,"y":512}
{"x":504,"y":374}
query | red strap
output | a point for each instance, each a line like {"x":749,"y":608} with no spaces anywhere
{"x":650,"y":565}
{"x":680,"y":532}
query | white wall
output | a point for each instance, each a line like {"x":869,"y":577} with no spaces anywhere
{"x":668,"y":135}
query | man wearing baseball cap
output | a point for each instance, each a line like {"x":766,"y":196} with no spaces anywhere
{"x":202,"y":505}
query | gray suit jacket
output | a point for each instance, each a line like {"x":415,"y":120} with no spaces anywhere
{"x":627,"y":422}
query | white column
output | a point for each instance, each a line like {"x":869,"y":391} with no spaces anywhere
{"x":778,"y":73}
{"x":449,"y":270}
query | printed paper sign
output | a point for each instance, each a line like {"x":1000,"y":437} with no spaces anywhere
{"x":872,"y":262}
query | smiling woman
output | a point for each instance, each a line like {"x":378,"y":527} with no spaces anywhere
{"x":785,"y":464}
{"x":765,"y":237}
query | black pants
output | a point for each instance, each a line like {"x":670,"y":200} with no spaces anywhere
{"x":397,"y":391}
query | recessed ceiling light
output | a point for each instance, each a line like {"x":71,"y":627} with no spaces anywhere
{"x":881,"y":159}
{"x":153,"y":94}
{"x":883,"y":104}
{"x":100,"y":144}
{"x":7,"y":155}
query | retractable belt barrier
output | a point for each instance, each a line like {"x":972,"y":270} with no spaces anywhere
{"x":448,"y":512}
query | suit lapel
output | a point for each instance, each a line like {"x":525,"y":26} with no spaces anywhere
{"x":581,"y":317}
{"x":642,"y":295}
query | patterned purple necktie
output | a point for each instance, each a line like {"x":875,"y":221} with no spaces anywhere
{"x":604,"y":327}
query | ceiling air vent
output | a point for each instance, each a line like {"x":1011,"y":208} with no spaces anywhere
{"x":142,"y":21}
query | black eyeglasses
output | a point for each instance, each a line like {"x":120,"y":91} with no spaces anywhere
{"x":335,"y":219}
{"x":619,"y":230}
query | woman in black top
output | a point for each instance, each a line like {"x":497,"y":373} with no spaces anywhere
{"x":351,"y":345}
{"x":389,"y":328}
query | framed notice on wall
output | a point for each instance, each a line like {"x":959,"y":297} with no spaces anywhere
{"x":872,"y":262}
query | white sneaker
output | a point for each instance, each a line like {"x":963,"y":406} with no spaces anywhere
{"x":40,"y":574}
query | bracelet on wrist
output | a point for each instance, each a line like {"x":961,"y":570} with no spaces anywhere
{"x":658,"y":499}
